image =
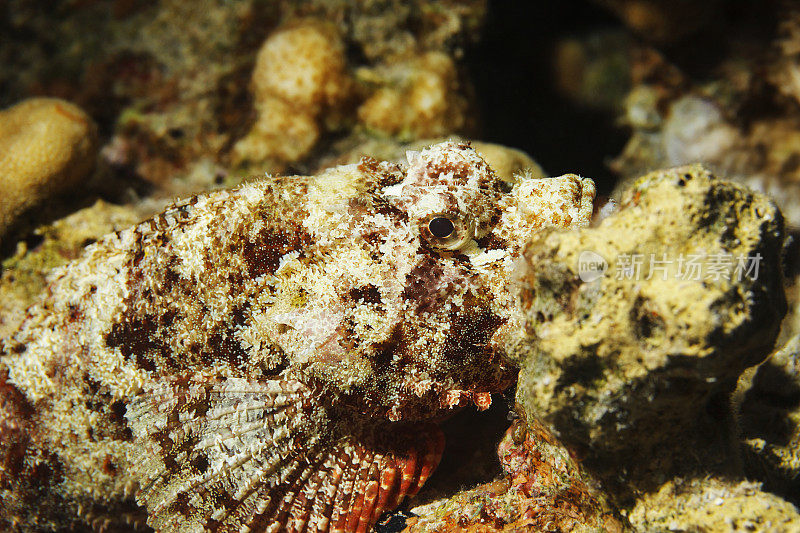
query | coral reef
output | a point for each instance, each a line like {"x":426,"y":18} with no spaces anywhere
{"x":46,"y":147}
{"x":303,"y":84}
{"x":381,"y":29}
{"x":299,"y":80}
{"x":736,"y":112}
{"x":740,"y":119}
{"x":171,"y":85}
{"x":694,"y":128}
{"x":637,"y":360}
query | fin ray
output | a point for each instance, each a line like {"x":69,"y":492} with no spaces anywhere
{"x":231,"y":455}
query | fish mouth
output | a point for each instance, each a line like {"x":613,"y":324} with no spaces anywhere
{"x":478,"y":394}
{"x":459,"y":398}
{"x":435,"y":401}
{"x":439,"y":406}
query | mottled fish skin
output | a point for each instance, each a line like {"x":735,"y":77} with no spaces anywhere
{"x":272,"y":357}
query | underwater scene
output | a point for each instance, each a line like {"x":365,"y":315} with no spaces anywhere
{"x":394,"y":266}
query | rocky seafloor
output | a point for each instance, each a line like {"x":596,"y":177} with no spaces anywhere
{"x":649,"y":398}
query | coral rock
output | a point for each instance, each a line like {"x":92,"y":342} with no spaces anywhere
{"x":670,"y":131}
{"x":543,"y":488}
{"x":714,"y":505}
{"x":299,"y":78}
{"x":418,"y":98}
{"x":46,"y":146}
{"x":770,"y":421}
{"x":639,"y":326}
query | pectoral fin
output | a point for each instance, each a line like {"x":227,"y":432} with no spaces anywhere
{"x":238,"y":455}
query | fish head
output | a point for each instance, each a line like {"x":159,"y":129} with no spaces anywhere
{"x":406,"y":310}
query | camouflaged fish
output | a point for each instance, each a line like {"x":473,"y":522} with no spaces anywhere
{"x":273,"y":357}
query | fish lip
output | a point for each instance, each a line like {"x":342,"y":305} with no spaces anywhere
{"x":439,"y":405}
{"x":435,"y":400}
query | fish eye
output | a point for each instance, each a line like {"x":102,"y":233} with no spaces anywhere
{"x":441,"y":227}
{"x":447,"y":231}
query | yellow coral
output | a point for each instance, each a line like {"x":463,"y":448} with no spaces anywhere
{"x":422,"y":100}
{"x":299,"y":78}
{"x":46,"y":146}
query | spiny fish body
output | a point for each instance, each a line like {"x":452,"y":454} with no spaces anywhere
{"x":273,"y":357}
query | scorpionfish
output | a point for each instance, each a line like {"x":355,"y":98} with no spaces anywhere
{"x":275,"y":357}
